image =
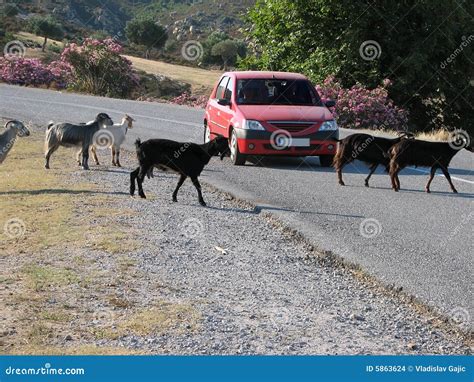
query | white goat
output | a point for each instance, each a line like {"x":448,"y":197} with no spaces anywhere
{"x":7,"y":139}
{"x":111,"y":137}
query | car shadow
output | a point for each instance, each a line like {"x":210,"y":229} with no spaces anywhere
{"x":259,"y":209}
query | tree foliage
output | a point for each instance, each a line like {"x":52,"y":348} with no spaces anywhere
{"x":424,"y":50}
{"x":228,"y":51}
{"x":46,"y":27}
{"x":146,"y":32}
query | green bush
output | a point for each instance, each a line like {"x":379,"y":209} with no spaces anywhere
{"x":413,"y":41}
{"x":98,"y":68}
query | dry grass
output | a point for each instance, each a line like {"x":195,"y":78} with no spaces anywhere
{"x":202,"y":81}
{"x":42,"y":287}
{"x":435,"y":135}
{"x":163,"y":317}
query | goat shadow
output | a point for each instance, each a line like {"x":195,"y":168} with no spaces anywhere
{"x":59,"y":191}
{"x":449,"y":194}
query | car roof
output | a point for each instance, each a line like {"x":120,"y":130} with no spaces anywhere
{"x":265,"y":75}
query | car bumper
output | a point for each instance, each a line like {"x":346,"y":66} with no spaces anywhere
{"x":253,"y":142}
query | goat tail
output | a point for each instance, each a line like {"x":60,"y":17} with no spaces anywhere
{"x":50,"y":124}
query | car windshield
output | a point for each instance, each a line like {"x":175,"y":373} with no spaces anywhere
{"x":277,"y":92}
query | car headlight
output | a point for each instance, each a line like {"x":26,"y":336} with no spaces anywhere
{"x":329,"y":126}
{"x":252,"y":125}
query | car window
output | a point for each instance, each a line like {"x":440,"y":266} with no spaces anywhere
{"x":229,"y":89}
{"x":277,"y":92}
{"x":221,"y":88}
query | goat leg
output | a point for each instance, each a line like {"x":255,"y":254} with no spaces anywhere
{"x":432,"y":174}
{"x":180,"y":183}
{"x":48,"y":154}
{"x":339,"y":176}
{"x":85,"y":157}
{"x":393,"y":178}
{"x":117,"y":156}
{"x":448,"y":177}
{"x":78,"y":157}
{"x":141,"y":176}
{"x":133,"y":176}
{"x":372,"y":170}
{"x":198,"y":188}
{"x":94,"y":155}
{"x":398,"y":182}
{"x":113,"y":156}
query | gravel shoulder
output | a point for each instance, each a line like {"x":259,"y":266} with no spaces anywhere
{"x":225,"y":279}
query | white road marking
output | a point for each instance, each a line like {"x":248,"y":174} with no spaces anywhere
{"x":452,"y":177}
{"x":109,"y":110}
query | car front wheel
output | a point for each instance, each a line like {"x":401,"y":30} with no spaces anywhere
{"x":326,"y":160}
{"x":236,"y":157}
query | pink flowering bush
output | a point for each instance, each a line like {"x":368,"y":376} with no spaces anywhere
{"x":32,"y":72}
{"x":187,"y":100}
{"x":98,"y":68}
{"x":362,"y":108}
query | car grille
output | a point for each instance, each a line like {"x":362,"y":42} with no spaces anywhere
{"x":292,"y":126}
{"x":311,"y":147}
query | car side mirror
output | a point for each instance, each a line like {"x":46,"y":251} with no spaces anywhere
{"x":330,"y":103}
{"x":223,"y":102}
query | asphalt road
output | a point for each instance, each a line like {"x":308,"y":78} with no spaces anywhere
{"x":422,"y":243}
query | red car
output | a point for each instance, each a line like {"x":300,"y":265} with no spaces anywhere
{"x":271,"y":113}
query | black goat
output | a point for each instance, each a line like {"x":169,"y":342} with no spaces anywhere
{"x":412,"y":152}
{"x":70,"y":135}
{"x":186,"y":159}
{"x":366,"y":148}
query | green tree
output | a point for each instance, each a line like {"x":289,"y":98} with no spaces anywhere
{"x":9,"y":10}
{"x":414,"y":42}
{"x":146,"y":32}
{"x":211,"y":40}
{"x":46,"y":27}
{"x":227,"y":50}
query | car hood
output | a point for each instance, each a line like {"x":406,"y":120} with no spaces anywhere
{"x":285,"y":113}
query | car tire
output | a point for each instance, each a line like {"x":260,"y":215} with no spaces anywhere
{"x":207,"y":133}
{"x":326,"y":160}
{"x":236,"y":157}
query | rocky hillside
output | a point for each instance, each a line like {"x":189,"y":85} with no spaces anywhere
{"x":182,"y":17}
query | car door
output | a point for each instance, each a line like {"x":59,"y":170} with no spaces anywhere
{"x":226,"y":111}
{"x":215,"y":110}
